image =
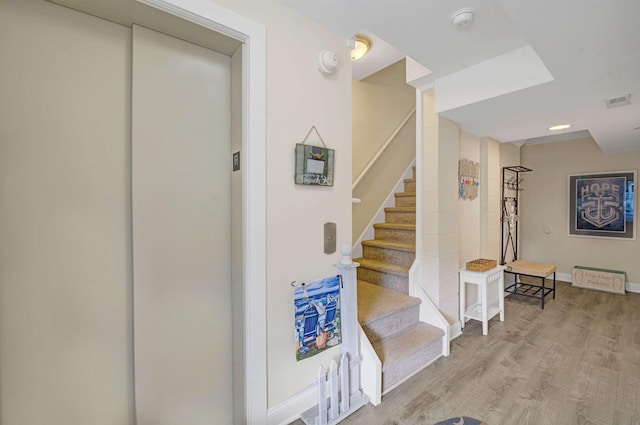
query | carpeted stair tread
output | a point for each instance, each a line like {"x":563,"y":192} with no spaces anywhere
{"x":404,"y":194}
{"x":411,"y":343}
{"x":397,"y":226}
{"x":400,"y":209}
{"x":376,"y":302}
{"x":381,"y":266}
{"x":399,"y":246}
{"x":409,"y":180}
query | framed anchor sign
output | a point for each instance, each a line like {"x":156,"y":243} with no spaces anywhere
{"x":602,"y":205}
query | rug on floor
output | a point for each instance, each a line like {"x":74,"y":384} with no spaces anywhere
{"x":462,"y":420}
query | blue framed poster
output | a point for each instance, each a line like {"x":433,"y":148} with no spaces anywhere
{"x":602,"y":205}
{"x":317,"y":316}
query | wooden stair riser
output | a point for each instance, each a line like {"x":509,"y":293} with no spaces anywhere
{"x":404,"y":200}
{"x":389,"y":255}
{"x":395,"y":235}
{"x":395,"y":373}
{"x":387,"y":280}
{"x":404,"y":217}
{"x":392,"y":324}
{"x":410,"y":185}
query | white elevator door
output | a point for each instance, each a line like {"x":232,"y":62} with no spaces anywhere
{"x":181,"y":164}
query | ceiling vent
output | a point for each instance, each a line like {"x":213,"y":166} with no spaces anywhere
{"x":618,"y":101}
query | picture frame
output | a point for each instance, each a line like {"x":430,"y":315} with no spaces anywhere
{"x":314,"y":165}
{"x":602,"y":205}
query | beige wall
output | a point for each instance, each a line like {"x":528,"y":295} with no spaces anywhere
{"x":380,"y":103}
{"x":298,"y":97}
{"x":382,"y":177}
{"x":66,"y":339}
{"x":544,"y":203}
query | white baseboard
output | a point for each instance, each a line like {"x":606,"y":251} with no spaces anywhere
{"x":633,"y":287}
{"x":568,"y":277}
{"x":291,"y":409}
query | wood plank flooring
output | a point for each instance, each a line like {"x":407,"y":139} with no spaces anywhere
{"x":577,"y":362}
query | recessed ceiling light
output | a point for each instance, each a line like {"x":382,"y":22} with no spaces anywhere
{"x":559,"y":127}
{"x":361,"y":47}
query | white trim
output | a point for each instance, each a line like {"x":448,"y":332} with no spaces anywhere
{"x":429,"y":312}
{"x":370,"y":369}
{"x":633,"y":287}
{"x":419,"y":184}
{"x":289,"y":410}
{"x":455,"y":329}
{"x":253,"y":35}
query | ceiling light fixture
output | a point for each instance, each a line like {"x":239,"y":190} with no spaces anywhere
{"x":361,"y":47}
{"x":559,"y":127}
{"x":463,"y":18}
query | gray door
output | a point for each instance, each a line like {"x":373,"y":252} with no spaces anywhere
{"x":181,"y":231}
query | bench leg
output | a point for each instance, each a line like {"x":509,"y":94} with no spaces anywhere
{"x":554,"y":285}
{"x":542,"y":297}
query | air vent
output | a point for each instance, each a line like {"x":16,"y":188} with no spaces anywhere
{"x":618,"y":101}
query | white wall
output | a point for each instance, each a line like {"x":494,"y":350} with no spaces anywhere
{"x":469,"y":209}
{"x":65,"y":260}
{"x":439,"y":200}
{"x":298,"y":97}
{"x":544,"y":203}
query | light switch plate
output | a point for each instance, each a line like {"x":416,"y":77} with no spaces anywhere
{"x":329,"y":238}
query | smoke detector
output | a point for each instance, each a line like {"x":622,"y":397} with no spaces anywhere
{"x":463,"y":18}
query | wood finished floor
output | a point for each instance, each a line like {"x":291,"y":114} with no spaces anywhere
{"x":577,"y":362}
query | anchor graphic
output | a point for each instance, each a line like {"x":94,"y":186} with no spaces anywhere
{"x":600,"y":210}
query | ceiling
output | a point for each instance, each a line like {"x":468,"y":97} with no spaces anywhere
{"x":521,"y":67}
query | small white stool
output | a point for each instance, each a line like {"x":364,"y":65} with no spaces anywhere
{"x":481,"y":311}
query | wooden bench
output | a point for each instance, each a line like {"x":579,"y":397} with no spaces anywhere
{"x":534,"y":270}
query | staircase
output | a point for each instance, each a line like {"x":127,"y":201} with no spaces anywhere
{"x":388,"y":315}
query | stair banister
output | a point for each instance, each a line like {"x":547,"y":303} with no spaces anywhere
{"x":382,"y":149}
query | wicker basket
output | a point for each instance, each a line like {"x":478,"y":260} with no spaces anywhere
{"x":481,"y":265}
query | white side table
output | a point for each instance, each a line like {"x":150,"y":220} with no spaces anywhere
{"x":481,"y":311}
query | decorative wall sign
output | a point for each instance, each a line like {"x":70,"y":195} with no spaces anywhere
{"x":314,"y":165}
{"x":602,"y":205}
{"x":468,"y":172}
{"x":599,"y":279}
{"x":317,"y":316}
